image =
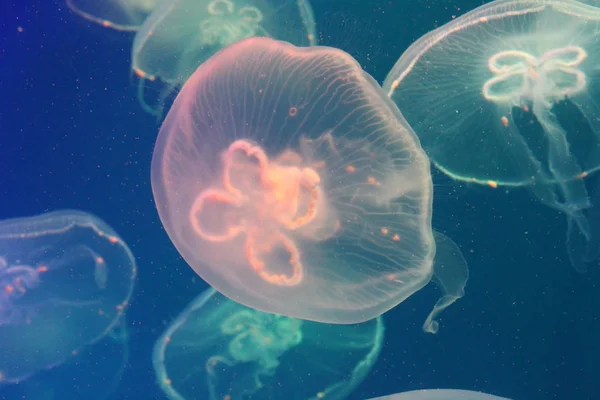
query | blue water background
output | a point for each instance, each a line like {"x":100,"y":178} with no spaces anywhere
{"x":72,"y":135}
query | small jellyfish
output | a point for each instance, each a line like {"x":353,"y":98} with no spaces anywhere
{"x":181,"y":34}
{"x":65,"y":263}
{"x":441,"y":394}
{"x":506,"y":95}
{"x":218,"y":349}
{"x":121,"y":15}
{"x":291,"y":184}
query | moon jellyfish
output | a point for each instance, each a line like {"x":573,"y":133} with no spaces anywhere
{"x":487,"y":94}
{"x":218,"y":349}
{"x":91,"y":374}
{"x":65,"y":280}
{"x":182,"y":34}
{"x":122,"y":15}
{"x":291,"y":184}
{"x":441,"y":394}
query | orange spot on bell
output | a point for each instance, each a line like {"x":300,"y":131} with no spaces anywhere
{"x":42,"y":268}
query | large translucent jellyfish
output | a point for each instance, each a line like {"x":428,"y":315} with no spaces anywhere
{"x":65,"y":279}
{"x":506,"y":95}
{"x":218,"y":349}
{"x":441,"y":394}
{"x":290,"y":183}
{"x":122,"y":15}
{"x":182,"y":34}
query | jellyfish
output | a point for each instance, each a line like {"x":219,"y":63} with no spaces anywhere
{"x":181,"y":34}
{"x":506,"y":95}
{"x":65,"y":281}
{"x":218,"y":349}
{"x":291,"y":184}
{"x":121,"y":15}
{"x":441,"y":394}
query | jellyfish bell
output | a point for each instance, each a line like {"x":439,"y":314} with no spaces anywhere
{"x":484,"y":93}
{"x":121,"y":15}
{"x":218,"y":349}
{"x":290,"y":183}
{"x":441,"y":394}
{"x":52,"y":265}
{"x":181,"y":34}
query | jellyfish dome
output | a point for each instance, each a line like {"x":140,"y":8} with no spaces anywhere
{"x":291,"y":184}
{"x":441,"y":394}
{"x":122,"y":15}
{"x":218,"y":349}
{"x":66,"y":278}
{"x":182,"y":34}
{"x":506,"y":95}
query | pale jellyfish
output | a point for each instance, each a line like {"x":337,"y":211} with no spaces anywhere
{"x":291,"y":184}
{"x":218,"y":349}
{"x":441,"y":394}
{"x":122,"y":15}
{"x":181,"y":34}
{"x":487,"y":94}
{"x":65,"y":278}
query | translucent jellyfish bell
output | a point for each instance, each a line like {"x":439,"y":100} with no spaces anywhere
{"x":122,"y":15}
{"x":55,"y":265}
{"x":441,"y":394}
{"x":485,"y":92}
{"x":182,"y":34}
{"x":290,"y":183}
{"x":218,"y":349}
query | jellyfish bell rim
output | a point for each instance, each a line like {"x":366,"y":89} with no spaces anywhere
{"x":440,"y":394}
{"x":104,"y":22}
{"x":392,"y":115}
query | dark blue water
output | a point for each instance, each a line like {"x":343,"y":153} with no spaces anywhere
{"x":73,"y":136}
